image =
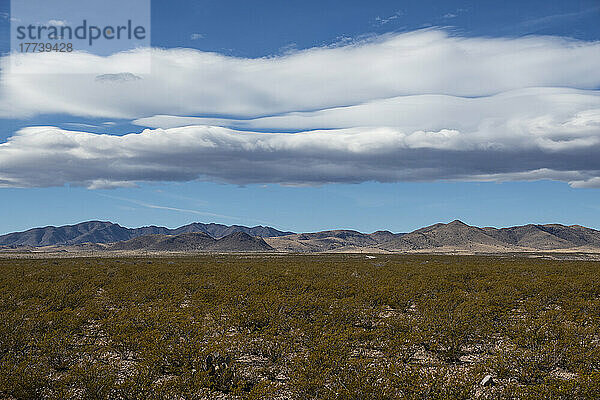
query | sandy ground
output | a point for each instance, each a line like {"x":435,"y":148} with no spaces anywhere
{"x":590,"y":254}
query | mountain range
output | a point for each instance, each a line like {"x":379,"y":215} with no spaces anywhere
{"x":107,"y":232}
{"x":451,"y":237}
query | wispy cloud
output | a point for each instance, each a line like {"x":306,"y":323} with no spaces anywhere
{"x":80,"y":125}
{"x":197,"y":36}
{"x":455,"y":13}
{"x":535,"y":24}
{"x":6,"y":16}
{"x":388,"y":19}
{"x":289,"y":48}
{"x":177,"y":209}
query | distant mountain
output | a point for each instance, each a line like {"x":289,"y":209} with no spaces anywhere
{"x":107,"y":232}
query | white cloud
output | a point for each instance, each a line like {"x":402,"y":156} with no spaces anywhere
{"x":586,"y":183}
{"x":552,"y":117}
{"x":56,"y":22}
{"x":197,"y":36}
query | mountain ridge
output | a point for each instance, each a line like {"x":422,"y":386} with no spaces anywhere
{"x":440,"y":237}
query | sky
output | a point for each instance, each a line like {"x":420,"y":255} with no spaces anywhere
{"x":311,"y":115}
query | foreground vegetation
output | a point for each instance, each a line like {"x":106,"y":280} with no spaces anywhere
{"x":300,"y":327}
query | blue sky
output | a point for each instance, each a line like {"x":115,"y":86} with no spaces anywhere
{"x":554,"y":184}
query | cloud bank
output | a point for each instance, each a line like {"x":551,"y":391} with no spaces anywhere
{"x":423,"y":105}
{"x":49,"y":156}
